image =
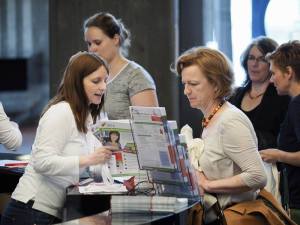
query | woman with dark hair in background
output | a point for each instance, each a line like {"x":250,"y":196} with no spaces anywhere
{"x":128,"y":83}
{"x":258,"y":98}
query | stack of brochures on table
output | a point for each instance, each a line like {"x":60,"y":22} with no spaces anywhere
{"x":135,"y":204}
{"x":88,"y":186}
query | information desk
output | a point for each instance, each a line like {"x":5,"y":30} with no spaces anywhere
{"x":93,"y":209}
{"x":79,"y":205}
{"x":127,"y":219}
{"x":154,"y":218}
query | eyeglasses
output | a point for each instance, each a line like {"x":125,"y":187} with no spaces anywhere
{"x":261,"y":59}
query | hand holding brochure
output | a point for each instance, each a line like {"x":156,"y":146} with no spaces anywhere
{"x":149,"y":144}
{"x":116,"y":135}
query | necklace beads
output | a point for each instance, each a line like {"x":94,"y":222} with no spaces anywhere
{"x":205,"y":121}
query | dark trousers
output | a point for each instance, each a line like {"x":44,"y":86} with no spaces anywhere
{"x":19,"y":213}
{"x":295,"y":215}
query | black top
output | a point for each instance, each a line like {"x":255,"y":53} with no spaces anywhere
{"x":267,"y":116}
{"x":289,"y":140}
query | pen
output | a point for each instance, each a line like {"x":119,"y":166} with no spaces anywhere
{"x":118,"y":182}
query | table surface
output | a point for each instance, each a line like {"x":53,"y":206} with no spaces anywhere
{"x":10,"y":176}
{"x":79,"y":207}
{"x":14,"y":156}
{"x":105,"y":218}
{"x":154,"y":218}
{"x":92,"y":209}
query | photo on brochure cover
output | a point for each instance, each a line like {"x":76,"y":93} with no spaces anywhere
{"x":117,"y":136}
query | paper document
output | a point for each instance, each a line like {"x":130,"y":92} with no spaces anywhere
{"x":13,"y":163}
{"x":117,"y":135}
{"x":150,"y":132}
{"x":101,"y":187}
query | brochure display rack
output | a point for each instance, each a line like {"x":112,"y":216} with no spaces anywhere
{"x":161,"y":152}
{"x":148,"y":147}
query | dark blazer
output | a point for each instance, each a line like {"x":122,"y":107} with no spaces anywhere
{"x":267,"y":116}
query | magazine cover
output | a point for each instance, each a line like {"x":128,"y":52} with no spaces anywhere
{"x":151,"y":136}
{"x":118,"y":135}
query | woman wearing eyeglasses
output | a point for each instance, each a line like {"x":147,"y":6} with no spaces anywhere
{"x":258,"y":98}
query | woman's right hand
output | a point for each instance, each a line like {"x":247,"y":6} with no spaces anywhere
{"x":270,"y":155}
{"x":99,"y":156}
{"x":201,"y":180}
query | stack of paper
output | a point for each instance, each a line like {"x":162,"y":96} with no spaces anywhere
{"x":102,"y":188}
{"x":123,"y":203}
{"x":13,"y":163}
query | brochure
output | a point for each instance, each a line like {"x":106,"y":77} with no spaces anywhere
{"x":118,"y":135}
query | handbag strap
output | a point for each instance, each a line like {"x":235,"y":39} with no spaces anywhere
{"x":285,"y":190}
{"x":221,"y":216}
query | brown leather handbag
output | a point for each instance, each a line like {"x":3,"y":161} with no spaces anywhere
{"x":262,"y":211}
{"x":195,"y":215}
{"x":265,"y":210}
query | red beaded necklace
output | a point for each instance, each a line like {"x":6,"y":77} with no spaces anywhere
{"x":205,"y":121}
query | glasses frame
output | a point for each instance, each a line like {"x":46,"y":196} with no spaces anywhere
{"x":261,"y":59}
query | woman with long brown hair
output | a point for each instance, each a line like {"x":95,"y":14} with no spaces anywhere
{"x":64,"y":145}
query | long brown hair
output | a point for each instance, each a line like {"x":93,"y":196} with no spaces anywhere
{"x":72,"y":91}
